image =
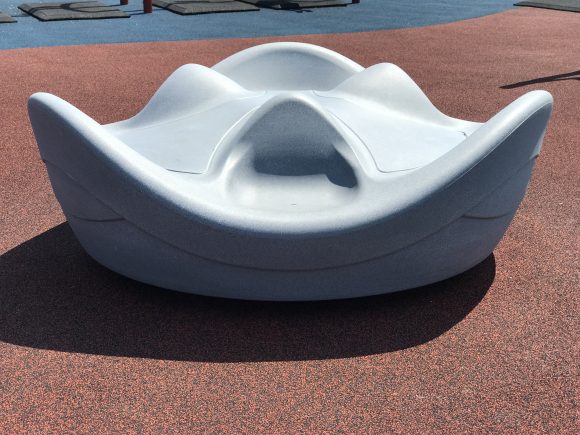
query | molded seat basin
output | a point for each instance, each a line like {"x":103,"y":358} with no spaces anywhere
{"x":396,"y":142}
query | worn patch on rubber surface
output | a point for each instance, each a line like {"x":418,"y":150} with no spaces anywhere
{"x":560,"y":5}
{"x":5,"y":18}
{"x":194,"y":7}
{"x":297,"y":4}
{"x":89,"y":10}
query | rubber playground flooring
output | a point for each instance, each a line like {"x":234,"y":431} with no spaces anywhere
{"x":163,"y":25}
{"x":495,"y":349}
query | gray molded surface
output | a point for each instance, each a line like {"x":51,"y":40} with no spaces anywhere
{"x":195,"y":7}
{"x":298,"y":4}
{"x":5,"y":18}
{"x":289,"y":172}
{"x":561,"y":5}
{"x":90,"y":10}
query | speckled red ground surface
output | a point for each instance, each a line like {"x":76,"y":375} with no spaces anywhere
{"x":83,"y":349}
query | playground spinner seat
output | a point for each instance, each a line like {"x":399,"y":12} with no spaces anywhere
{"x":289,"y":172}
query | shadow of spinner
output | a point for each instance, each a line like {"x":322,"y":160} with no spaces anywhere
{"x":54,"y":296}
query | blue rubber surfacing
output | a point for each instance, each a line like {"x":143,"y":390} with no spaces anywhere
{"x":164,"y":25}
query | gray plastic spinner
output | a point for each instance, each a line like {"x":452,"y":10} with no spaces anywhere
{"x":289,"y":172}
